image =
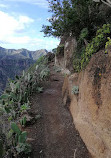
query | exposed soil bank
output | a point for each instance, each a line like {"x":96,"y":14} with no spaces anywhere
{"x":91,"y":108}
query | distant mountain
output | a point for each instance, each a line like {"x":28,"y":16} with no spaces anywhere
{"x":21,"y":53}
{"x":13,"y":62}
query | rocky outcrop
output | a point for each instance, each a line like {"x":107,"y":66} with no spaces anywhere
{"x":65,"y":60}
{"x":91,"y":106}
{"x":69,"y":48}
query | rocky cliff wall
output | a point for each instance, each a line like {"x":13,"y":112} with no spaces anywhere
{"x":65,"y":60}
{"x":91,"y":107}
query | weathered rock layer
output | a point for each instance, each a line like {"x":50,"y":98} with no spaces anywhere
{"x":91,"y":108}
{"x":66,"y":59}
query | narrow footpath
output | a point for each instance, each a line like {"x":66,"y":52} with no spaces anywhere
{"x":53,"y":135}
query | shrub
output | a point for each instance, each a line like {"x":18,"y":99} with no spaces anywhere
{"x":108,"y":43}
{"x":60,"y":50}
{"x":96,"y":44}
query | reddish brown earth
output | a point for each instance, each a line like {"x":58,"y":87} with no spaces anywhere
{"x":54,"y":135}
{"x":91,"y":108}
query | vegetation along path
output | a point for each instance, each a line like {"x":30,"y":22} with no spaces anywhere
{"x":53,"y":135}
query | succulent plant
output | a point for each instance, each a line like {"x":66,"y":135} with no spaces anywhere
{"x":23,"y":121}
{"x":15,"y":128}
{"x":75,"y":90}
{"x":15,"y":101}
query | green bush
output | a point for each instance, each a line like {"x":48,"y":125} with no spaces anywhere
{"x":83,"y":35}
{"x":77,"y":65}
{"x":108,"y":43}
{"x":95,"y":45}
{"x":97,"y":42}
{"x":60,"y":50}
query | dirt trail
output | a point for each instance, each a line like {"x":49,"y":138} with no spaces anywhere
{"x":54,"y":135}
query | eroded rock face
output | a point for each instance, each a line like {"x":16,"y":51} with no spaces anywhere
{"x":66,"y":60}
{"x":69,"y":48}
{"x":91,"y":108}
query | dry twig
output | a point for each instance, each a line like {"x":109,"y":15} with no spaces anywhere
{"x":75,"y":153}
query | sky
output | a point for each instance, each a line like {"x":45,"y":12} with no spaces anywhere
{"x":21,"y":24}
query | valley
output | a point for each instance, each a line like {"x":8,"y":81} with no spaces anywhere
{"x":13,"y":62}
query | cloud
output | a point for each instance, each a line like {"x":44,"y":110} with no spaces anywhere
{"x":18,"y":40}
{"x":10,"y":25}
{"x":40,"y":3}
{"x":17,"y":31}
{"x":3,"y":6}
{"x":25,"y":19}
{"x":30,"y":43}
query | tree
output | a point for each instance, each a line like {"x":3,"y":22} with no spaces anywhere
{"x":71,"y":16}
{"x":59,"y":19}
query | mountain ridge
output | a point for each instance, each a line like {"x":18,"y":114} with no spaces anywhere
{"x":22,"y":53}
